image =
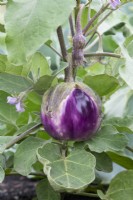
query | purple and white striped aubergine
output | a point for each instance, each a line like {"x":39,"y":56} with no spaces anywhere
{"x":71,"y":111}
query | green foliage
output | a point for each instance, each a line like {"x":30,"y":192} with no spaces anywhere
{"x":45,"y":191}
{"x":25,"y":155}
{"x":67,"y":173}
{"x":121,"y":187}
{"x":97,"y":83}
{"x":43,"y":84}
{"x":103,"y":162}
{"x":14,"y":84}
{"x":40,"y":19}
{"x":29,"y":66}
{"x":107,"y":139}
{"x":121,"y":160}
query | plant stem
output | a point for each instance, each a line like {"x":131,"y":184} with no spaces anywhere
{"x":100,"y":47}
{"x":64,"y":148}
{"x":100,"y":22}
{"x":78,"y":2}
{"x":69,"y":74}
{"x":129,"y":149}
{"x":56,"y":51}
{"x":94,"y":18}
{"x":62,"y":43}
{"x":86,"y":194}
{"x":63,"y":51}
{"x":102,"y":54}
{"x":71,"y":25}
{"x":90,"y":39}
{"x":21,"y":136}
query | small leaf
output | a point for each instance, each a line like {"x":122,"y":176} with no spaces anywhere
{"x":45,"y":192}
{"x":63,"y":66}
{"x":39,"y":66}
{"x":25,"y":155}
{"x":14,"y":84}
{"x":121,"y":160}
{"x":101,"y":195}
{"x":122,"y":124}
{"x":103,"y":162}
{"x":107,"y":139}
{"x":103,"y":84}
{"x":43,"y":84}
{"x":121,"y":186}
{"x":70,"y":173}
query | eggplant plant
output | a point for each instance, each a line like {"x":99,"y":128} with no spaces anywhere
{"x":66,"y":96}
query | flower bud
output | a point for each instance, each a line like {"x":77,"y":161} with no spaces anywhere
{"x":71,"y":111}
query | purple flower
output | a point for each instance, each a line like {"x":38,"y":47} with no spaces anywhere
{"x":17,"y":102}
{"x":20,"y":107}
{"x":71,"y":111}
{"x":114,"y":3}
{"x":12,"y":100}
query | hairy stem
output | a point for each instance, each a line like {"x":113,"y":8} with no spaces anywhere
{"x":102,"y":54}
{"x":94,"y":18}
{"x":21,"y":136}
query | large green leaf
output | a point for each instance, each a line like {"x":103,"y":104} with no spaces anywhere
{"x":45,"y":192}
{"x":70,"y":173}
{"x":103,"y":84}
{"x":30,"y":23}
{"x":107,"y":139}
{"x":14,"y":84}
{"x":25,"y":155}
{"x":121,"y":187}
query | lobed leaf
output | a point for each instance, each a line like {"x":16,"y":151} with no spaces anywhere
{"x":70,"y":173}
